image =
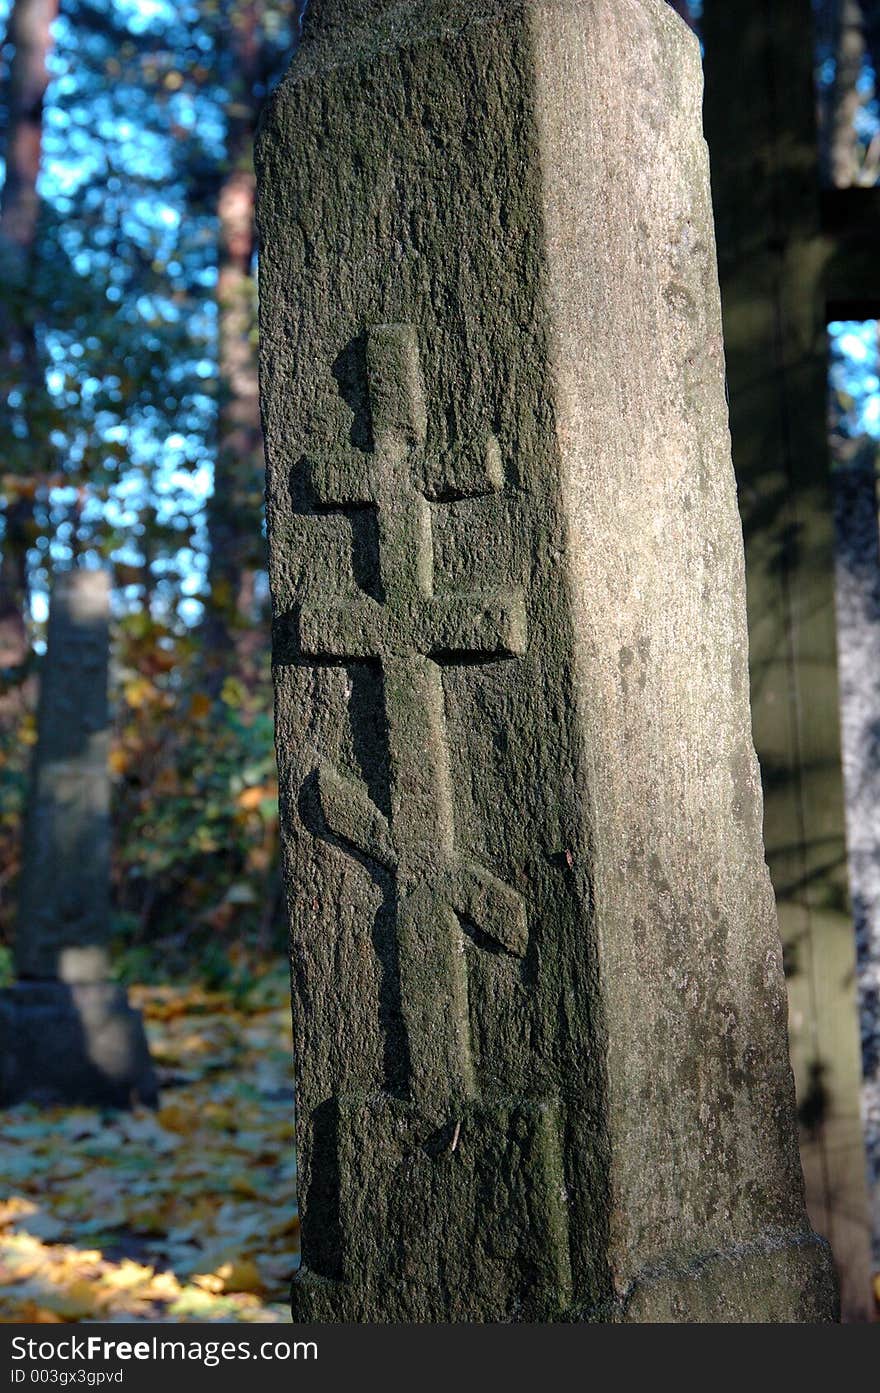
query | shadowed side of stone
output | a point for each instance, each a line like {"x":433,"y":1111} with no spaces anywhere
{"x":538,"y":1003}
{"x":67,"y":1033}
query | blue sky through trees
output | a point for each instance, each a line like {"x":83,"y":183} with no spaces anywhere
{"x":134,"y":133}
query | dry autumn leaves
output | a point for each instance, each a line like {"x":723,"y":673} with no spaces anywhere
{"x":185,"y":1214}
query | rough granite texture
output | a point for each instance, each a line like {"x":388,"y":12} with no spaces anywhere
{"x":538,"y":1002}
{"x":67,"y":1032}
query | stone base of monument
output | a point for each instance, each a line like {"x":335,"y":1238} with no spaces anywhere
{"x":785,"y":1280}
{"x":76,"y":1042}
{"x":752,"y":1285}
{"x":740,"y":1287}
{"x":482,"y":1161}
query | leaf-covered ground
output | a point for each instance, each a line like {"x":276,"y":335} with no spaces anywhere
{"x":185,"y":1214}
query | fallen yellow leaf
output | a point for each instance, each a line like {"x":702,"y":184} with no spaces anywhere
{"x":72,"y":1302}
{"x":15,"y":1208}
{"x":243,"y":1185}
{"x":127,"y":1276}
{"x":164,"y":1287}
{"x":200,"y":706}
{"x":174,"y":1118}
{"x":31,"y":1314}
{"x":240,"y":1275}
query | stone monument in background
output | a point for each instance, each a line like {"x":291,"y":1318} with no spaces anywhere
{"x":539,"y":1010}
{"x":792,"y":258}
{"x":67,"y":1033}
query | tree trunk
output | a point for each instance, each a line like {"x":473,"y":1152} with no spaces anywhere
{"x":234,"y":509}
{"x":849,"y":48}
{"x":871,"y":19}
{"x":30,"y":33}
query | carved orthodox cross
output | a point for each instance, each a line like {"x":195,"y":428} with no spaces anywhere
{"x":411,"y":632}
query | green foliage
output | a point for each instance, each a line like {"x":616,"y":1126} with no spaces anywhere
{"x":195,"y":798}
{"x":195,"y":817}
{"x":110,"y":434}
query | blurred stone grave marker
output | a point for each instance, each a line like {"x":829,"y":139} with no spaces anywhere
{"x":67,"y":1033}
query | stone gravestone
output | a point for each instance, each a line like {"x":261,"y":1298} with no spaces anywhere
{"x":790,"y":261}
{"x":67,"y":1033}
{"x":538,"y":998}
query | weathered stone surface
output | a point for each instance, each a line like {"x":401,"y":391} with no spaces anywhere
{"x":66,"y":1031}
{"x":538,"y":1000}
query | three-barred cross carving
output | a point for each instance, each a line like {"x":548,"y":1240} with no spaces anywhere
{"x":412,"y":632}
